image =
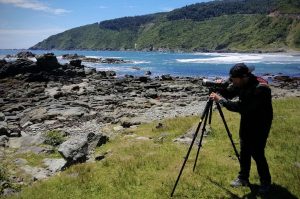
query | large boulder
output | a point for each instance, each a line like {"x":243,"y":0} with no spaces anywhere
{"x":2,"y":62}
{"x":76,"y":63}
{"x":46,"y":68}
{"x":47,"y":62}
{"x":74,"y":150}
{"x":78,"y":148}
{"x":18,"y":66}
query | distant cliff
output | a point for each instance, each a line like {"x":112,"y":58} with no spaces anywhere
{"x":228,"y":25}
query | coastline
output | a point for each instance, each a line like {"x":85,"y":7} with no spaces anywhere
{"x":180,"y":64}
{"x":87,"y":106}
{"x":250,"y":51}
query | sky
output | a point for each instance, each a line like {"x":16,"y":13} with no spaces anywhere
{"x":24,"y":23}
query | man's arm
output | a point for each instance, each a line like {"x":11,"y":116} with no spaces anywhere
{"x":230,"y":105}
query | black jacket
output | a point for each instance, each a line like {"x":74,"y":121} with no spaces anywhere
{"x":254,"y":105}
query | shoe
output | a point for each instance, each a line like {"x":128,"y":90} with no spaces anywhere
{"x":264,"y":189}
{"x":239,"y":183}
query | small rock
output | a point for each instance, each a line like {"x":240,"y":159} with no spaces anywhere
{"x":55,"y":165}
{"x":36,"y":172}
{"x":159,"y":125}
{"x":3,"y":128}
{"x":166,"y":77}
{"x":2,"y":117}
{"x":127,"y":122}
{"x":20,"y":161}
{"x":142,"y":138}
{"x":118,"y":128}
{"x":9,"y":191}
{"x":3,"y":141}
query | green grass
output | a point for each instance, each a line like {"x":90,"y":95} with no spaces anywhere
{"x":148,"y":168}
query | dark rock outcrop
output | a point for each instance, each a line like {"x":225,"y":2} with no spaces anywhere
{"x":94,"y":60}
{"x":47,"y":62}
{"x":20,"y":66}
{"x":46,"y":68}
{"x":25,"y":54}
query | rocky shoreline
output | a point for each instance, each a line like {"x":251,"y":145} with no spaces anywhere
{"x":87,"y":108}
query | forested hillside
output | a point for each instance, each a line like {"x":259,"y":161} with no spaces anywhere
{"x":228,"y":25}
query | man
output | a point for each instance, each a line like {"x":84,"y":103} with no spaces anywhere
{"x":255,"y":107}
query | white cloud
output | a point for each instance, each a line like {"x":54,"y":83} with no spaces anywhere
{"x":103,"y":7}
{"x":35,"y":5}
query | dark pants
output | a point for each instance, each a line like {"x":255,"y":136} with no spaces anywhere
{"x":254,"y":148}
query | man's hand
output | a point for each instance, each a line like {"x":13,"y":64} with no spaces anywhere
{"x":215,"y":97}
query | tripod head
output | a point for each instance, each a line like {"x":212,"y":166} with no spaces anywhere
{"x":215,"y":86}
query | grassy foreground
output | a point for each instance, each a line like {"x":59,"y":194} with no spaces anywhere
{"x":137,"y":167}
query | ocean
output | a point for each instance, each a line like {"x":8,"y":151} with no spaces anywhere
{"x":184,"y":64}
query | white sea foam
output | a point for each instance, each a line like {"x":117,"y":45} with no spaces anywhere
{"x":104,"y":57}
{"x":141,"y":62}
{"x":100,"y":67}
{"x":230,"y":58}
{"x":32,"y":59}
{"x":95,"y":57}
{"x":10,"y":59}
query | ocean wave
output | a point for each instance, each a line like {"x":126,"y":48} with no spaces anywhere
{"x":10,"y":59}
{"x":114,"y":68}
{"x":264,"y":55}
{"x":141,"y":62}
{"x":104,"y":57}
{"x":223,"y":60}
{"x":230,"y":58}
{"x":95,"y":57}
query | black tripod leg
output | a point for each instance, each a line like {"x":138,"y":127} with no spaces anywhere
{"x":228,"y":132}
{"x":205,"y":112}
{"x":210,"y":115}
{"x":201,"y":138}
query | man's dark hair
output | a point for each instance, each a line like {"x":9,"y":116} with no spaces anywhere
{"x":240,"y":70}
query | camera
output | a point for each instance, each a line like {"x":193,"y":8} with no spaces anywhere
{"x":215,"y":86}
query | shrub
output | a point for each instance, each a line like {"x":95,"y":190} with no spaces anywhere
{"x":54,"y":138}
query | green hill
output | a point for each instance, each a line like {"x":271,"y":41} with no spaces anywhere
{"x":236,"y":25}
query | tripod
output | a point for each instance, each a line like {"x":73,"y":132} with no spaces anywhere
{"x":206,"y":113}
